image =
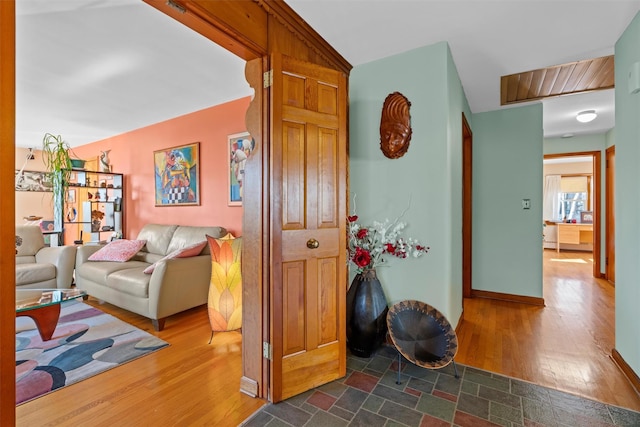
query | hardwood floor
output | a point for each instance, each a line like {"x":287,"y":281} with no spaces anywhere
{"x":565,"y":345}
{"x":188,"y":383}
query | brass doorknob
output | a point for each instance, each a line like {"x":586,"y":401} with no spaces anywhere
{"x":313,"y":244}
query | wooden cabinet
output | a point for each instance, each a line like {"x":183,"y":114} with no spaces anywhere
{"x":574,"y":234}
{"x":93,"y":207}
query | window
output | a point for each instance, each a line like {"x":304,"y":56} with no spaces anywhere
{"x":574,"y":197}
{"x":571,"y":204}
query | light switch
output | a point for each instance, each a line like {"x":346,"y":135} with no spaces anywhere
{"x":526,"y":203}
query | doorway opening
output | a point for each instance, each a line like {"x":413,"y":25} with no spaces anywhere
{"x":571,"y":205}
{"x":248,"y":74}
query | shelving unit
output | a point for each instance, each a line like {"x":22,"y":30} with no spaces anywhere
{"x":89,"y":196}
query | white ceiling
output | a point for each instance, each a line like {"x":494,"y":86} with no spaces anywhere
{"x":91,"y":69}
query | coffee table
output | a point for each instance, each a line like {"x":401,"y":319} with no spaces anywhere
{"x":43,"y":306}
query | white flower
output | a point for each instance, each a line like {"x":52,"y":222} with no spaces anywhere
{"x":368,"y":245}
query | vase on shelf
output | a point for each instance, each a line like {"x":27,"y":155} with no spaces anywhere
{"x":105,"y":164}
{"x":366,"y":314}
{"x":95,"y":225}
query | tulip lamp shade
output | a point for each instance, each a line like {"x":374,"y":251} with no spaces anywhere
{"x":225,"y":289}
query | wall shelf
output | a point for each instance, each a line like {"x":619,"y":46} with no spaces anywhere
{"x":95,"y":202}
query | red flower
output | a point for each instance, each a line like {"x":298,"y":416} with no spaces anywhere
{"x":362,"y":233}
{"x":362,"y":257}
{"x":390,"y":248}
{"x":352,"y":218}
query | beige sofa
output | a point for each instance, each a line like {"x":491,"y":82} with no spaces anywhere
{"x":175,"y":284}
{"x":39,"y":266}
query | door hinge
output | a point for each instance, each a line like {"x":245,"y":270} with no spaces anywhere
{"x":266,"y":350}
{"x":267,"y":79}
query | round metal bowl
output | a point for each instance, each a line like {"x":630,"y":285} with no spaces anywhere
{"x":422,"y":334}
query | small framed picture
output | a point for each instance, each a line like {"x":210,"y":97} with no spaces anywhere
{"x":240,"y":146}
{"x":586,"y":217}
{"x":71,"y":196}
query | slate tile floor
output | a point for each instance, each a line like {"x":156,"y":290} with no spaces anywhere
{"x":369,"y":396}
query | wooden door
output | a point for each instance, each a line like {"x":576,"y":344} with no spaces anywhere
{"x":610,"y":226}
{"x":308,"y":205}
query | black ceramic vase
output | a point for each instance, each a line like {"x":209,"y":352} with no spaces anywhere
{"x":366,"y":314}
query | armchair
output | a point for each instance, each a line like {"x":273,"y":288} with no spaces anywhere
{"x":41,"y":267}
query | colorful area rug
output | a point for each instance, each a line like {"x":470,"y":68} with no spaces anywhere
{"x":86,"y":342}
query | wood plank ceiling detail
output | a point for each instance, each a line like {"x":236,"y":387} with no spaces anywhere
{"x":573,"y":77}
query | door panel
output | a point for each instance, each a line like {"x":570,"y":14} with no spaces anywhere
{"x":293,"y":183}
{"x":308,"y":221}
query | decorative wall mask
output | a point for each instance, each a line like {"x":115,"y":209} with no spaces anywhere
{"x":395,"y":126}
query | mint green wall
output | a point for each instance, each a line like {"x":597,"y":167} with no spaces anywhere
{"x":507,"y":167}
{"x":627,"y":199}
{"x":457,"y":106}
{"x":577,"y":144}
{"x":610,"y":138}
{"x":580,"y":144}
{"x":427,"y":177}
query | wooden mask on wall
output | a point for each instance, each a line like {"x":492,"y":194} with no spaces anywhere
{"x":395,"y":126}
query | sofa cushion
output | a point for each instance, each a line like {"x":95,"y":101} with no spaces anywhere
{"x":98,"y":272}
{"x":131,"y":281}
{"x":32,"y":239}
{"x":186,"y":252}
{"x":27,"y":259}
{"x":121,"y":250}
{"x":188,"y":235}
{"x":158,"y":237}
{"x":33,"y":273}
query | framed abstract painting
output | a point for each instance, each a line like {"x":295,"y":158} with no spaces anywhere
{"x":240,"y":146}
{"x":177,"y":175}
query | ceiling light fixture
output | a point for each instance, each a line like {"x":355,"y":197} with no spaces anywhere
{"x":586,"y":116}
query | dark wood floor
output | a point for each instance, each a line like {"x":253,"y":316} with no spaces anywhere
{"x":564,"y":345}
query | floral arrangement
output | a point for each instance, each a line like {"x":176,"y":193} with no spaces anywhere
{"x":367,"y":245}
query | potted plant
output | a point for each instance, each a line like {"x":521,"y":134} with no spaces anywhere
{"x":55,"y":154}
{"x":57,"y":160}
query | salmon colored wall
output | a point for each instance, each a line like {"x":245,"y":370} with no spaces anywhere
{"x":132,"y":154}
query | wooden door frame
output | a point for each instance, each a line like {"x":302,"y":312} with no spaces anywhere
{"x":253,"y":30}
{"x":467,"y":208}
{"x":597,"y":180}
{"x":7,"y":215}
{"x":216,"y":26}
{"x":609,"y":204}
{"x":250,"y":29}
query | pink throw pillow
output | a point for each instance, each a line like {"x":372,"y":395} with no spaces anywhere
{"x":186,"y":252}
{"x":121,"y":250}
